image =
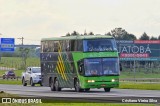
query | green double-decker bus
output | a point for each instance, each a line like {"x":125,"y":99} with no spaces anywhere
{"x":81,"y":62}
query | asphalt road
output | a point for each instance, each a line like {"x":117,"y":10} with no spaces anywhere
{"x":94,"y":95}
{"x":46,"y":92}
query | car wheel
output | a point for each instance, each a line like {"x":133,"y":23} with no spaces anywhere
{"x":57,"y":85}
{"x":23,"y":82}
{"x":3,"y":77}
{"x":31,"y":82}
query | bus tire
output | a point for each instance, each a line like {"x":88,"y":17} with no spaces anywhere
{"x":57,"y":88}
{"x":77,"y":86}
{"x":107,"y":89}
{"x":52,"y":85}
{"x":41,"y":84}
{"x":87,"y":89}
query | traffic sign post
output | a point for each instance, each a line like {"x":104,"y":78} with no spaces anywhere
{"x":7,"y":44}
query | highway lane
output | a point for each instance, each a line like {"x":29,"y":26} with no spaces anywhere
{"x":46,"y":92}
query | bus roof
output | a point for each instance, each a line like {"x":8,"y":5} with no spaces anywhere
{"x":77,"y":37}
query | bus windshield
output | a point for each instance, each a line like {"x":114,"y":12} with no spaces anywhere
{"x":101,"y":66}
{"x":99,"y":45}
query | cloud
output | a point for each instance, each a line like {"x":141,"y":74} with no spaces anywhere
{"x":47,"y":18}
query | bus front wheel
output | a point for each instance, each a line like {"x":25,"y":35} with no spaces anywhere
{"x":107,"y":89}
{"x":87,"y":89}
{"x":77,"y":86}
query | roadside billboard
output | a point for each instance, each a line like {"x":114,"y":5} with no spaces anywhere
{"x":7,"y":44}
{"x":141,"y":50}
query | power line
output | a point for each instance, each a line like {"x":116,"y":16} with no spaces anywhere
{"x":22,"y":51}
{"x":33,"y":40}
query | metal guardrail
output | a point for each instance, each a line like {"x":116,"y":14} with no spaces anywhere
{"x":17,"y":78}
{"x":7,"y":68}
{"x":140,"y":80}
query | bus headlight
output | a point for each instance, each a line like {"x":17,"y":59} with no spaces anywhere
{"x":113,"y":80}
{"x":91,"y":81}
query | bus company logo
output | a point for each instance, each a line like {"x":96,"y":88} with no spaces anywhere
{"x":6,"y":100}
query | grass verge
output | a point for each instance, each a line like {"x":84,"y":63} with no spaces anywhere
{"x":143,"y":86}
{"x":17,"y":72}
{"x":11,"y":81}
{"x":142,"y":74}
{"x":123,"y":85}
{"x":3,"y":94}
{"x":16,"y":62}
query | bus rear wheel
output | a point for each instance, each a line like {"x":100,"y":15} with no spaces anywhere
{"x":52,"y":85}
{"x":107,"y":89}
{"x":57,"y":88}
{"x":40,"y":84}
{"x":77,"y":86}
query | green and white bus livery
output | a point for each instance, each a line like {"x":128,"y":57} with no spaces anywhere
{"x":80,"y":62}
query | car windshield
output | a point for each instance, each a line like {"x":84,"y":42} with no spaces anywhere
{"x":10,"y":72}
{"x":36,"y":70}
{"x":99,"y":45}
{"x":101,"y":66}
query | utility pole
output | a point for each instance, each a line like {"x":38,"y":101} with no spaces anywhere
{"x":21,"y":40}
{"x":22,"y":51}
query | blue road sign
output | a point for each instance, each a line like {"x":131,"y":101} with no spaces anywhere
{"x":7,"y":44}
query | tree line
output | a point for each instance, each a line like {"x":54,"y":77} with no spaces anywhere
{"x":22,"y":52}
{"x":119,"y":34}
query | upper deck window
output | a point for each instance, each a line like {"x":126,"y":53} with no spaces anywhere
{"x":99,"y":45}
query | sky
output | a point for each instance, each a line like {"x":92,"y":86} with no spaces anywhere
{"x":37,"y":19}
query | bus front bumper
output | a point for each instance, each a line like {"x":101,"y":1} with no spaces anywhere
{"x":100,"y":85}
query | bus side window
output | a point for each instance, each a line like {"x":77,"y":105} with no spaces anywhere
{"x":42,"y":46}
{"x":64,"y":45}
{"x":45,"y":46}
{"x":72,"y":42}
{"x":79,"y":45}
{"x":75,"y":45}
{"x":80,"y":68}
{"x":72,"y":67}
{"x":67,"y":45}
{"x":56,"y":46}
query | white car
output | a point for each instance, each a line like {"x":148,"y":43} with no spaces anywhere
{"x":32,"y":76}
